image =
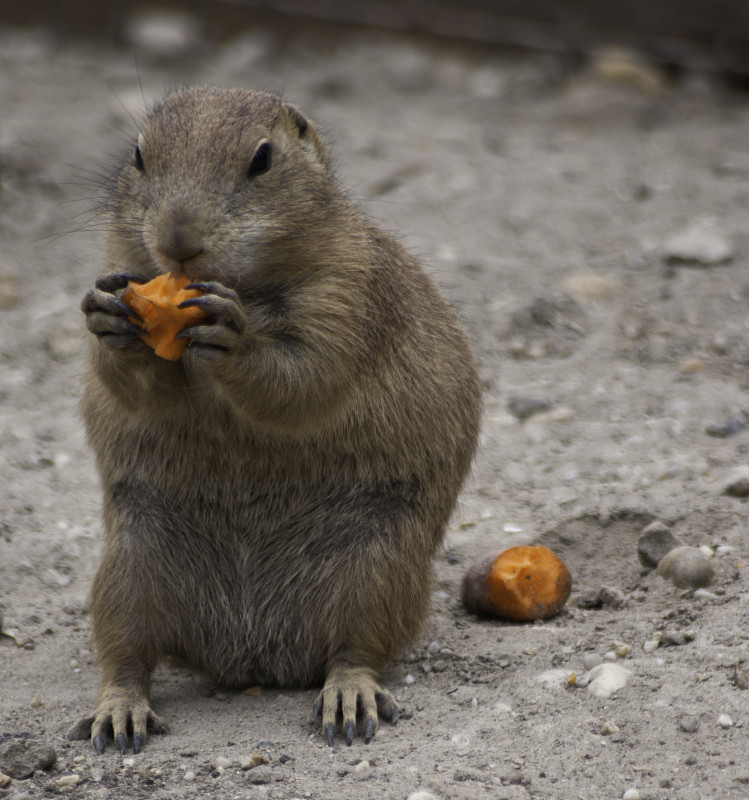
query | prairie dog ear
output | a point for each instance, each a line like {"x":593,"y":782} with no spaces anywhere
{"x":299,"y":126}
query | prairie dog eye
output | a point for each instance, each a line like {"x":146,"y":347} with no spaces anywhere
{"x":261,"y":161}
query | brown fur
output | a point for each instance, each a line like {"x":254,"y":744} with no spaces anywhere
{"x":272,"y":500}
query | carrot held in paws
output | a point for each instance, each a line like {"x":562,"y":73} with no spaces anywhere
{"x":157,"y":305}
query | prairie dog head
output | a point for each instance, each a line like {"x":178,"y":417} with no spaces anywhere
{"x":218,"y":177}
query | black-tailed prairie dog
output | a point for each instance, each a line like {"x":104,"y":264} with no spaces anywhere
{"x":273,"y":498}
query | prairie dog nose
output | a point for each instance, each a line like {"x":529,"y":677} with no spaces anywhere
{"x":179,"y":237}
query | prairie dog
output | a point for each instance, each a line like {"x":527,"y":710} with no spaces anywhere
{"x":272,"y":500}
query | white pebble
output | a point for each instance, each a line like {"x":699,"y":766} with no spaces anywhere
{"x":362,"y":766}
{"x":631,"y":794}
{"x":409,"y":679}
{"x":189,"y":776}
{"x":706,"y":595}
{"x":609,"y":656}
{"x":591,"y":660}
{"x":579,"y":681}
{"x":605,"y":679}
{"x":221,"y":762}
{"x":68,"y":780}
{"x":725,"y":721}
{"x":421,"y":796}
{"x":702,"y":240}
{"x":651,"y":644}
{"x":128,"y":762}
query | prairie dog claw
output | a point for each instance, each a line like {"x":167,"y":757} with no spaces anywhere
{"x":354,"y":692}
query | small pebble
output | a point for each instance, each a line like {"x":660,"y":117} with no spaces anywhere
{"x":189,"y":776}
{"x":691,"y":366}
{"x":605,"y":596}
{"x":68,"y":780}
{"x":704,"y":594}
{"x":421,"y":796}
{"x":4,"y":780}
{"x":36,"y":702}
{"x":525,"y":407}
{"x":675,"y":638}
{"x":409,"y":679}
{"x":605,"y":679}
{"x":689,"y":723}
{"x":739,"y":677}
{"x":702,"y":241}
{"x":221,"y":762}
{"x":737,"y":484}
{"x":591,"y":660}
{"x":655,"y":541}
{"x":578,"y":681}
{"x":723,"y":430}
{"x":588,"y":287}
{"x":609,"y":728}
{"x":651,"y":644}
{"x":725,"y":721}
{"x":362,"y":766}
{"x":687,"y":568}
{"x":631,"y":794}
{"x":622,"y":650}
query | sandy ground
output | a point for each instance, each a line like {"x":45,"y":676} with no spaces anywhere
{"x":544,"y":199}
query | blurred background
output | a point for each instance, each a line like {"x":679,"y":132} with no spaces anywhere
{"x":694,"y":33}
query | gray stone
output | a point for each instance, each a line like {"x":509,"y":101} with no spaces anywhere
{"x":687,"y":568}
{"x":605,"y":596}
{"x":21,"y":756}
{"x":524,"y":407}
{"x":260,"y":775}
{"x":655,"y":541}
{"x":737,"y":484}
{"x":689,"y":723}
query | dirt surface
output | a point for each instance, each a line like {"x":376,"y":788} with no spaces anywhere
{"x":544,"y":199}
